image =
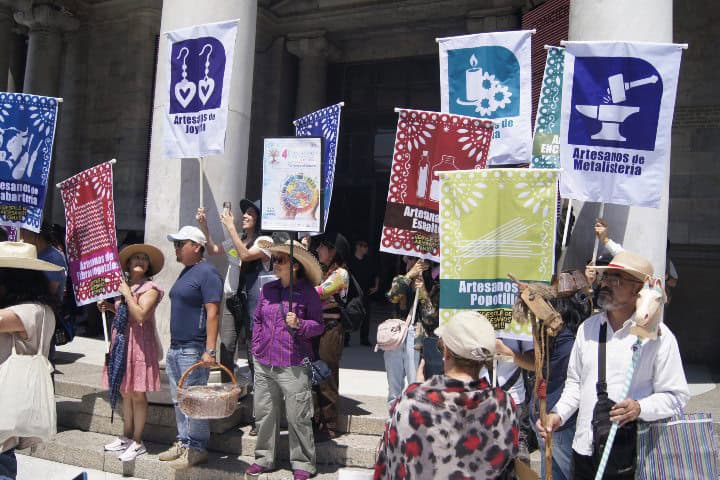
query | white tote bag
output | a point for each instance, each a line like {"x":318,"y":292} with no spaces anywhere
{"x":27,"y":402}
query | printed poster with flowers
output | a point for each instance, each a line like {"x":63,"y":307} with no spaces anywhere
{"x":494,"y":222}
{"x":92,"y":252}
{"x":427,"y":143}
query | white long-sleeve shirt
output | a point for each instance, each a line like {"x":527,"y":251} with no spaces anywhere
{"x":658,"y":383}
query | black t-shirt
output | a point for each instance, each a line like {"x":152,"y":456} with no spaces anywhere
{"x":364,"y":271}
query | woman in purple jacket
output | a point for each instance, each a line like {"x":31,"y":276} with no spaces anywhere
{"x":281,"y":342}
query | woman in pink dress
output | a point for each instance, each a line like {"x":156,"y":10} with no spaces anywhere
{"x":142,"y":374}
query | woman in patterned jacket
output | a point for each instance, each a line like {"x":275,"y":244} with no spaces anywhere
{"x":455,"y":425}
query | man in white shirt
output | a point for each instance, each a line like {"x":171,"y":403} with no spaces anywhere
{"x":658,"y":388}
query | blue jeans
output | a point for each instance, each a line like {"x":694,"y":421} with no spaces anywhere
{"x":191,"y":432}
{"x":562,"y":453}
{"x":8,"y":465}
{"x":400,"y":364}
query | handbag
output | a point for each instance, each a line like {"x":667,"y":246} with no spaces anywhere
{"x":623,"y":458}
{"x":319,"y":371}
{"x":28,"y":407}
{"x":392,"y":332}
{"x":682,"y":446}
{"x":352,"y":311}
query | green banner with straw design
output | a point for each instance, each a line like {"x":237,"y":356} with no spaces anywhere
{"x":494,"y":222}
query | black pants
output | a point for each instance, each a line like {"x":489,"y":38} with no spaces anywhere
{"x":584,"y":469}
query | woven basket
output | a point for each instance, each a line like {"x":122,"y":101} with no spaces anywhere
{"x":210,"y":401}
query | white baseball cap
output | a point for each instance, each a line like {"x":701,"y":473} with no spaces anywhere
{"x":470,"y":335}
{"x":189,"y":232}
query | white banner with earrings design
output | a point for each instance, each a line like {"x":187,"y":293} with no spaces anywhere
{"x":201,"y":62}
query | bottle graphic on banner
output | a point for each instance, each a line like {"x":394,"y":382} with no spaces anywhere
{"x":423,"y":173}
{"x":447,"y":162}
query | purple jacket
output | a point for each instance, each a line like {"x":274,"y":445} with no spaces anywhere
{"x":273,"y":342}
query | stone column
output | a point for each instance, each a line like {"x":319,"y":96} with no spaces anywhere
{"x":173,"y":187}
{"x":46,"y":25}
{"x":6,"y":35}
{"x":644,"y":229}
{"x":18,"y":53}
{"x":313,"y":50}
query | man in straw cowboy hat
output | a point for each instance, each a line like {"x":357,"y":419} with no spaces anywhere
{"x":26,"y":318}
{"x":454,"y":425}
{"x":658,"y":386}
{"x":194,"y":310}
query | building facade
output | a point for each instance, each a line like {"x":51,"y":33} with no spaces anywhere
{"x":101,"y":57}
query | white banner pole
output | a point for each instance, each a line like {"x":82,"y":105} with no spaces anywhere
{"x":202,"y":174}
{"x":601,"y":213}
{"x":105,"y":332}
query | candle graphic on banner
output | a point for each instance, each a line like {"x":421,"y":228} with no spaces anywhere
{"x":473,"y":80}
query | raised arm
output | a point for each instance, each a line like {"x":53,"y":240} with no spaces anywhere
{"x":245,"y":254}
{"x":211,"y":247}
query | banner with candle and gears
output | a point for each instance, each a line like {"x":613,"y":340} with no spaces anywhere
{"x":90,"y":239}
{"x":427,"y":143}
{"x":27,"y":131}
{"x":487,"y":75}
{"x":617,"y":110}
{"x":201,"y":63}
{"x":494,"y":222}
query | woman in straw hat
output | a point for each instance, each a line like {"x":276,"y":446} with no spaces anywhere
{"x":26,"y":317}
{"x":285,"y":321}
{"x":142,"y":370}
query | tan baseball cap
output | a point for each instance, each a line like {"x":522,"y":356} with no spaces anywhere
{"x":470,"y":335}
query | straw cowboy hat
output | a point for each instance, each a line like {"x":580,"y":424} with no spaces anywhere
{"x":631,"y":263}
{"x":313,"y":272}
{"x":23,"y":255}
{"x":157,"y":259}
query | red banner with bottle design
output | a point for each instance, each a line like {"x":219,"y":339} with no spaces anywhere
{"x":90,"y":238}
{"x":427,"y":143}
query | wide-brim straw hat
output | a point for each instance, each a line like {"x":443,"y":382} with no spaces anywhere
{"x":313,"y":272}
{"x":631,"y":263}
{"x":157,"y":259}
{"x":24,"y":256}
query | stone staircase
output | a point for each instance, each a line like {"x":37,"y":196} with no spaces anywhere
{"x":84,"y":418}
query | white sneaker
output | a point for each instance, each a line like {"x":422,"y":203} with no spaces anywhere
{"x":132,"y":451}
{"x":120,"y":444}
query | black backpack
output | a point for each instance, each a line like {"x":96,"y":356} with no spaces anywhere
{"x":352,"y":310}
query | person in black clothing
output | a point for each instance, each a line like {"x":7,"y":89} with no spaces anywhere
{"x":364,"y":269}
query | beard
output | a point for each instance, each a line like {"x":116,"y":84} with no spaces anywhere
{"x":606,"y":301}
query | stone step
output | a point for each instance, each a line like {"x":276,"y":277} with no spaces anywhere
{"x":85,"y":450}
{"x":350,"y":449}
{"x":364,"y":415}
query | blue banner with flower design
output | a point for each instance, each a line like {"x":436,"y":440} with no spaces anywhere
{"x":546,"y":140}
{"x":323,"y":123}
{"x":27,"y":131}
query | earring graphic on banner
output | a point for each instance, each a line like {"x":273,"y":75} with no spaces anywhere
{"x":184,"y":90}
{"x":206,"y":84}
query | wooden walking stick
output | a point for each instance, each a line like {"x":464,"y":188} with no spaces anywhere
{"x":532,"y":306}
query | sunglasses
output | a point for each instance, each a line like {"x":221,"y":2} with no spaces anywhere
{"x":280,"y":260}
{"x":179,"y":243}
